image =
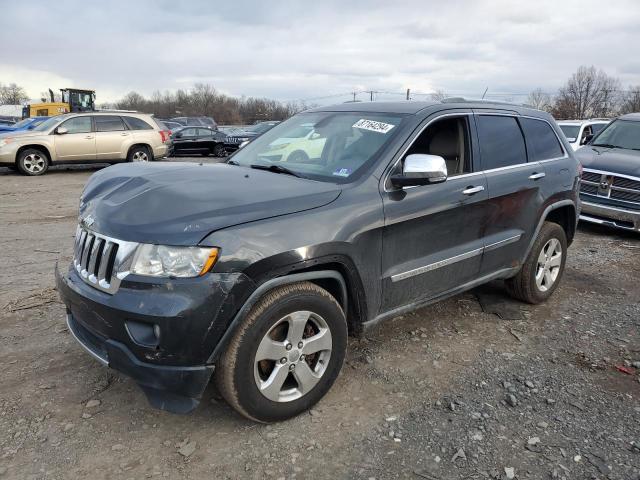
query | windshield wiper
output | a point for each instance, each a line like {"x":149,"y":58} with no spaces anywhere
{"x":605,"y":145}
{"x":232,"y":162}
{"x":276,"y":169}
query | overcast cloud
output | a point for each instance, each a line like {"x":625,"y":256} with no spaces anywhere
{"x":304,"y":50}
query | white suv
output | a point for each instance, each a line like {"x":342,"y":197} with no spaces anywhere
{"x":579,"y":132}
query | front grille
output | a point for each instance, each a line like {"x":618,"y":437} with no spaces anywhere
{"x":609,"y":185}
{"x":97,"y":259}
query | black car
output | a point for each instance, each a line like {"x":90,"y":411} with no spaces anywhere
{"x":201,"y":140}
{"x":195,"y":121}
{"x":610,"y":188}
{"x":236,"y":137}
{"x":254,"y":272}
{"x":171,"y":125}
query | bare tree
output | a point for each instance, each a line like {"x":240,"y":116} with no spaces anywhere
{"x":540,"y":100}
{"x":631,"y":101}
{"x":588,"y":93}
{"x":438,"y":95}
{"x":12,"y":94}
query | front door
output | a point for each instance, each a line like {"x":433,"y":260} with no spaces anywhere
{"x":186,"y":140}
{"x":79,"y":143}
{"x":432,"y":239}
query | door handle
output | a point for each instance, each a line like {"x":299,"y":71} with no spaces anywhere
{"x":89,"y":137}
{"x":537,"y":176}
{"x":124,"y":134}
{"x":473,"y":190}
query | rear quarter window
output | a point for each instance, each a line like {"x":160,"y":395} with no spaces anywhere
{"x":542,"y":142}
{"x":501,"y":141}
{"x":108,"y":123}
{"x":137,"y":123}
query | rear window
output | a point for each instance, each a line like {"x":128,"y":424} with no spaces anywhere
{"x":542,"y":141}
{"x":137,"y":123}
{"x":501,"y":141}
{"x":108,"y":123}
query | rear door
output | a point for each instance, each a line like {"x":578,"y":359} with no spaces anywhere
{"x":515,"y":189}
{"x":432,"y":238}
{"x":111,"y":134}
{"x":79,"y":143}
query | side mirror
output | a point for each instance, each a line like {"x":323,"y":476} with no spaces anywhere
{"x":587,"y":139}
{"x":178,"y":135}
{"x":61,"y":131}
{"x":421,"y":169}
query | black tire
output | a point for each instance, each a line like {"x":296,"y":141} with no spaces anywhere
{"x":298,"y":156}
{"x":237,"y":370}
{"x":32,"y":162}
{"x":139,"y":153}
{"x":524,"y":285}
{"x":219,"y":150}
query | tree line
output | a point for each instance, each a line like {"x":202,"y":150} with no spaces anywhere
{"x":204,"y":99}
{"x":588,"y":93}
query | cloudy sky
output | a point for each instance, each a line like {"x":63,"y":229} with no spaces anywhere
{"x":317,"y":51}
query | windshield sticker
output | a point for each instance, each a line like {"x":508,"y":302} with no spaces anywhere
{"x":342,"y":172}
{"x":373,"y":126}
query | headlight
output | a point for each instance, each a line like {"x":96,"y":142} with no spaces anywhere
{"x":278,"y":147}
{"x":164,"y":261}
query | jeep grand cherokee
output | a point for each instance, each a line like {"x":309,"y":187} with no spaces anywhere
{"x":255,"y":271}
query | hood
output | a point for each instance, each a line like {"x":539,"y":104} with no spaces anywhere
{"x":615,"y":160}
{"x":181,"y":203}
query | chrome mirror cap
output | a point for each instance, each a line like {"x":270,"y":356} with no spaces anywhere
{"x":421,"y":169}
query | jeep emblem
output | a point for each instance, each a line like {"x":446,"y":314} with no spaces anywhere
{"x":88,"y":221}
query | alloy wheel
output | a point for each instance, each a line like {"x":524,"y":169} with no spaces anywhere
{"x":34,"y":163}
{"x":140,"y":156}
{"x":549,"y":263}
{"x":293,"y":356}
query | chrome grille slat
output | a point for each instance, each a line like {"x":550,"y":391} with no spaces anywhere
{"x":609,"y":185}
{"x":102,"y":261}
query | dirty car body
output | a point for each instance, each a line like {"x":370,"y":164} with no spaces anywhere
{"x":379,"y":249}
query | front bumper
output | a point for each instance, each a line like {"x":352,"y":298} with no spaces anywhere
{"x":616,"y":217}
{"x":159,"y":332}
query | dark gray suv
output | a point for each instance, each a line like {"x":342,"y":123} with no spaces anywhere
{"x":255,"y":271}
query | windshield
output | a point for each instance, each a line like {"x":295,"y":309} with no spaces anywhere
{"x":261,"y":127}
{"x":619,"y":134}
{"x":338,"y":146}
{"x":48,"y":124}
{"x":570,"y":131}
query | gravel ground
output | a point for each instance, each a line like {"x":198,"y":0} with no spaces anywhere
{"x":478,"y":386}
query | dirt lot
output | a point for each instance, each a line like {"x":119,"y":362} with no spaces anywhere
{"x":476,"y":387}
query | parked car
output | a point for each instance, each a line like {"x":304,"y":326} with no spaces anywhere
{"x":261,"y":127}
{"x":23,"y":125}
{"x":7,"y":121}
{"x":84,"y":137}
{"x":196,"y":121}
{"x":202,"y":141}
{"x":610,"y":187}
{"x":254,"y":272}
{"x":170,"y":125}
{"x":236,"y":137}
{"x":298,"y":146}
{"x":579,"y":132}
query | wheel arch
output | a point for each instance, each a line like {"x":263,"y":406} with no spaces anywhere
{"x":564,"y":213}
{"x":139,"y":144}
{"x":35,"y":146}
{"x":332,"y":276}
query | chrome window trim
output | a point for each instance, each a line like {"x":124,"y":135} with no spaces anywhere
{"x":470,"y":114}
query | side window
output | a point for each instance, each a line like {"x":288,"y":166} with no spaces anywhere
{"x":193,"y":121}
{"x":105,"y":123}
{"x":137,"y":123}
{"x":449,"y":139}
{"x":189,"y":132}
{"x":78,"y":125}
{"x":501,"y":141}
{"x":542,"y":141}
{"x":204,"y":132}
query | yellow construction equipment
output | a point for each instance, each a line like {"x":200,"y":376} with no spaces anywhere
{"x":73,"y":100}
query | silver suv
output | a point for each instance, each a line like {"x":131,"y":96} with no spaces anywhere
{"x":108,"y":137}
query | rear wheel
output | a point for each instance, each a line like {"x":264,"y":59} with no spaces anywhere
{"x":543,"y":268}
{"x":298,"y":156}
{"x":286,"y":354}
{"x":32,"y":162}
{"x":139,"y":154}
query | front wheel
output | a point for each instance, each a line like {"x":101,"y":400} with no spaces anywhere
{"x":543,"y":268}
{"x":32,"y":162}
{"x":286,"y":354}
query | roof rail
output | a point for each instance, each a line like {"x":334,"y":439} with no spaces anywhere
{"x":483,"y":100}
